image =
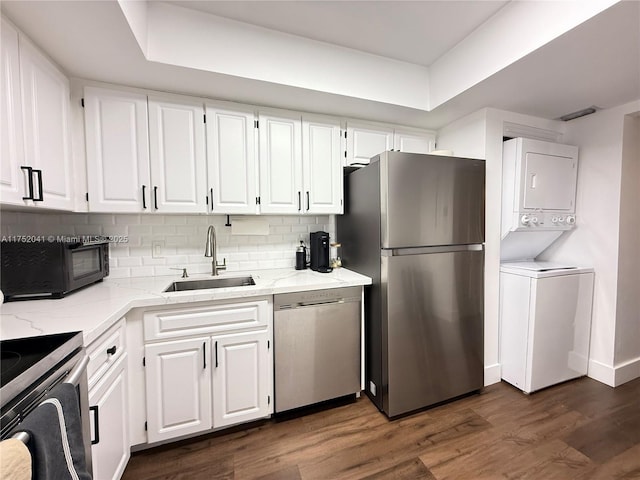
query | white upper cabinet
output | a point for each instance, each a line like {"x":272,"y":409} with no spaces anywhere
{"x":365,"y":141}
{"x":322,"y":165}
{"x":144,"y":155}
{"x":280,"y":164}
{"x":117,"y":144}
{"x":12,"y":178}
{"x":36,"y":147}
{"x":45,"y":108}
{"x":231,"y":159}
{"x":413,"y":141}
{"x":177,"y":156}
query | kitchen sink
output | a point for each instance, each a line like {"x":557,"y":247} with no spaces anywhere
{"x":210,"y":283}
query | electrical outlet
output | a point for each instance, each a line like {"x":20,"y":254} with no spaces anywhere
{"x":157,"y":249}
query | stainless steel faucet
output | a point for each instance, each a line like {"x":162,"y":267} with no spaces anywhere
{"x":211,"y":250}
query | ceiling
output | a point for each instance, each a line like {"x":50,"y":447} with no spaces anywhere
{"x":596,"y":63}
{"x":412,"y":31}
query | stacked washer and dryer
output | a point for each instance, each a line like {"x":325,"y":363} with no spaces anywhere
{"x":545,"y":307}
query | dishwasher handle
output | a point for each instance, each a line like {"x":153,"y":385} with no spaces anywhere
{"x":322,"y":302}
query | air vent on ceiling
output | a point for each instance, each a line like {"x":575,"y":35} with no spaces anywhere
{"x":579,"y":113}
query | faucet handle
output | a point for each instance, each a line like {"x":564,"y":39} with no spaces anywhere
{"x":184,"y":271}
{"x":222,"y":266}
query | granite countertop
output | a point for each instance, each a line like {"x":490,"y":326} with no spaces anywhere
{"x":94,"y":309}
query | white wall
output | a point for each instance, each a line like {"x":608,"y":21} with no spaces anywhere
{"x":628,"y":306}
{"x":596,"y":240}
{"x":182,"y":238}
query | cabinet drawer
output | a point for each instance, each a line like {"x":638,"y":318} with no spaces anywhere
{"x":190,"y":321}
{"x":105,"y":351}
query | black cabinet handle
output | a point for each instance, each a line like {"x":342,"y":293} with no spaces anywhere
{"x":144,"y":194}
{"x":204,"y":355}
{"x":155,"y":197}
{"x":211,"y":191}
{"x":40,"y":196}
{"x":299,"y":201}
{"x":307,"y":201}
{"x":216,"y":346}
{"x":30,"y":179}
{"x":111,"y":351}
{"x":96,"y":424}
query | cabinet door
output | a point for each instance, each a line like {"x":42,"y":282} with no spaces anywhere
{"x":109,"y":399}
{"x":242,"y":377}
{"x":364,"y":142}
{"x":45,"y":109}
{"x":12,"y":178}
{"x":117,"y":144}
{"x":322,"y":165}
{"x":177,"y":156}
{"x":178,"y":378}
{"x":280,"y":165}
{"x":413,"y":142}
{"x":231,"y":158}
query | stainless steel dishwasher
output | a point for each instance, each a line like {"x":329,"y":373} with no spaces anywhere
{"x":316,"y":346}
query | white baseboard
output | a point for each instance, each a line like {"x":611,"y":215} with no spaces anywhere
{"x":601,"y":372}
{"x":492,"y":374}
{"x":614,"y":376}
{"x":627,"y":371}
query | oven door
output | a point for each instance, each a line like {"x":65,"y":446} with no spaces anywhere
{"x":86,"y":264}
{"x":72,"y":370}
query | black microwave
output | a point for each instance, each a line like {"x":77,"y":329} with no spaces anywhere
{"x":50,"y":266}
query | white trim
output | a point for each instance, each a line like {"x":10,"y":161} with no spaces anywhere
{"x":626,"y":371}
{"x":601,"y":372}
{"x":492,"y":374}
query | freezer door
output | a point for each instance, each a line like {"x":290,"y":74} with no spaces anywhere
{"x":433,"y":327}
{"x":431,"y":200}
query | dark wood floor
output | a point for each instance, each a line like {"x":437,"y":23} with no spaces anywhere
{"x":581,"y":429}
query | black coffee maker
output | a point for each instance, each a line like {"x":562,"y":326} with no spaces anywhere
{"x":320,"y":252}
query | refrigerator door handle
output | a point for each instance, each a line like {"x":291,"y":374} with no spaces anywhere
{"x":396,"y":252}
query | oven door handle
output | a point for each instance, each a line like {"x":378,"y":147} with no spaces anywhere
{"x":79,"y":369}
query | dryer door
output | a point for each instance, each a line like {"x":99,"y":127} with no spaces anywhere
{"x":549,"y":182}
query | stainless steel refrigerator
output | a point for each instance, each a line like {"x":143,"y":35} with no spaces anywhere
{"x":415,"y":224}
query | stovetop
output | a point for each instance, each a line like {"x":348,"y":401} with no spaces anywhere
{"x":25,"y":360}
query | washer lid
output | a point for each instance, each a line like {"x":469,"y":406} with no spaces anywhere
{"x":542,"y":269}
{"x":539,"y":266}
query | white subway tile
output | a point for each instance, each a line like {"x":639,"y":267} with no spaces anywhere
{"x":152,"y":219}
{"x":128,"y":261}
{"x":141,"y":271}
{"x":118,"y":250}
{"x":248,"y":266}
{"x":175,"y":220}
{"x":163,"y":230}
{"x":280,"y":229}
{"x":119,"y":272}
{"x":101,"y":219}
{"x":154,"y":261}
{"x":132,"y":219}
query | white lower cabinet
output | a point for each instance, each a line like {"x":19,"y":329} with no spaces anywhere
{"x":108,"y":401}
{"x":241,"y":386}
{"x":178,"y":388}
{"x":221,"y":376}
{"x":108,"y":380}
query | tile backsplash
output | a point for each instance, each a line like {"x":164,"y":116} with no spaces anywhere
{"x":154,"y":244}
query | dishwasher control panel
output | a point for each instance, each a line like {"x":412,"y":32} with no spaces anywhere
{"x":286,"y":301}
